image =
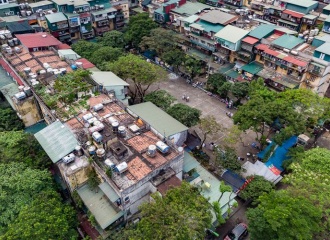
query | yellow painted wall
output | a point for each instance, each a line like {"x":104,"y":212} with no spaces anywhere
{"x":28,"y":111}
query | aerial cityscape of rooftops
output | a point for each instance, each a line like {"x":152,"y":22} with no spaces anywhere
{"x":165,"y":119}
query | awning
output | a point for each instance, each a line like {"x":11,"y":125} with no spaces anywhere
{"x":232,"y":74}
{"x":252,"y":68}
{"x":317,"y":65}
{"x":145,"y":2}
{"x":108,"y":191}
{"x":285,"y":83}
{"x":287,"y":22}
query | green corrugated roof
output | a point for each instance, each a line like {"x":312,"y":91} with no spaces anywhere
{"x":232,"y":73}
{"x":189,"y":162}
{"x":108,"y":79}
{"x":99,"y":206}
{"x":158,"y":119}
{"x":252,"y":67}
{"x":302,"y":3}
{"x":108,"y":191}
{"x":324,"y":48}
{"x":9,"y":5}
{"x":55,"y":17}
{"x":9,"y":91}
{"x":287,"y":41}
{"x":262,"y":31}
{"x":57,"y":140}
{"x":210,"y":27}
{"x":190,"y":8}
{"x":226,"y":68}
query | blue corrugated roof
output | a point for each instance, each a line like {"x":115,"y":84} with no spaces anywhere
{"x":210,"y":27}
{"x":262,"y":31}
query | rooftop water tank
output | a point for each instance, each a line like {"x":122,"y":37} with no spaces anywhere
{"x":112,"y":120}
{"x":162,"y":147}
{"x":91,"y":120}
{"x":28,"y":91}
{"x":18,"y":50}
{"x":109,"y":163}
{"x":42,"y":71}
{"x":78,"y":150}
{"x":20,"y":95}
{"x":79,"y":64}
{"x":100,"y":152}
{"x":91,"y":150}
{"x":98,"y":107}
{"x":15,"y":41}
{"x":115,"y":126}
{"x":122,"y":131}
{"x":97,"y":137}
{"x":87,"y":116}
{"x":69,"y":158}
{"x":74,"y":67}
{"x":122,"y":167}
{"x":152,"y":151}
{"x":21,"y":88}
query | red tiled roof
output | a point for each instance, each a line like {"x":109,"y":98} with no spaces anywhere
{"x":295,"y":61}
{"x":11,"y":72}
{"x":294,"y":14}
{"x":31,"y":40}
{"x":250,"y":40}
{"x":168,"y":184}
{"x":261,"y":46}
{"x":63,"y":46}
{"x":86,"y":64}
{"x":271,"y":52}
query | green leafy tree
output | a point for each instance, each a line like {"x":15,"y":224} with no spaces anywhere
{"x":188,"y":116}
{"x":114,"y":39}
{"x":174,"y":58}
{"x":9,"y":120}
{"x":18,"y":146}
{"x":85,"y":48}
{"x":45,"y":217}
{"x":93,"y":179}
{"x":161,"y":40}
{"x":160,"y":98}
{"x":215,"y":81}
{"x":183,"y":213}
{"x":19,"y":186}
{"x":224,"y":89}
{"x":310,"y":178}
{"x":138,"y":26}
{"x":233,"y":136}
{"x":136,"y":70}
{"x":258,"y":186}
{"x":228,"y":159}
{"x":208,"y":125}
{"x":240,"y":90}
{"x":192,"y":66}
{"x":280,"y":216}
{"x":104,"y":55}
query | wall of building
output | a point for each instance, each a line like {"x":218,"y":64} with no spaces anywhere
{"x":28,"y":111}
{"x":119,"y":91}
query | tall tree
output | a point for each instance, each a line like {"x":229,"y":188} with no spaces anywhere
{"x":19,"y":186}
{"x":208,"y":125}
{"x":9,"y":120}
{"x":136,"y":70}
{"x":188,"y":116}
{"x":85,"y":48}
{"x":215,"y":81}
{"x":192,"y":66}
{"x":240,"y":90}
{"x":258,"y":186}
{"x":174,"y":58}
{"x":114,"y":39}
{"x":181,"y":214}
{"x":224,"y":89}
{"x":160,"y":98}
{"x":138,"y":26}
{"x":21,"y":147}
{"x":281,"y":216}
{"x":227,"y":158}
{"x":161,"y":40}
{"x":104,"y":55}
{"x":45,"y":217}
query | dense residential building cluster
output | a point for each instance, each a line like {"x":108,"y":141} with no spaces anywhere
{"x":139,"y":150}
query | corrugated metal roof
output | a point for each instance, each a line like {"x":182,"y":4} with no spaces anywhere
{"x":189,"y":162}
{"x":99,"y":206}
{"x":252,"y":67}
{"x":250,"y":40}
{"x":108,"y":190}
{"x":9,"y":5}
{"x":262,"y":31}
{"x":324,"y":48}
{"x":231,"y":33}
{"x":55,"y":17}
{"x":57,"y":140}
{"x":210,"y":27}
{"x":218,"y":17}
{"x":293,"y":13}
{"x":108,"y":78}
{"x":302,"y":3}
{"x":9,"y":91}
{"x":158,"y":119}
{"x":287,"y":41}
{"x":190,"y":8}
{"x":191,"y":19}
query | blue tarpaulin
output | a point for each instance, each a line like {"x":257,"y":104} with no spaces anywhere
{"x":280,"y":152}
{"x":262,"y":154}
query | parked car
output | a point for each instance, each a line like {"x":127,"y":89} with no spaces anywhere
{"x":238,"y":233}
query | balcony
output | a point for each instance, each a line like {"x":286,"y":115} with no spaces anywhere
{"x":100,"y":18}
{"x":316,"y":69}
{"x":203,"y":45}
{"x":73,"y":24}
{"x":102,"y":23}
{"x":61,"y":26}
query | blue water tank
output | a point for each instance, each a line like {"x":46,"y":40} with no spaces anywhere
{"x":74,"y":67}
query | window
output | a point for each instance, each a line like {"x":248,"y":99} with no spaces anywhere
{"x":126,"y":199}
{"x":322,"y":56}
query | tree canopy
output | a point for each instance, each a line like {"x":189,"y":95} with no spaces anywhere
{"x":9,"y":120}
{"x":160,"y":98}
{"x":174,"y":57}
{"x":215,"y":81}
{"x":140,"y":72}
{"x":192,"y":66}
{"x":208,"y":125}
{"x":183,"y":213}
{"x":188,"y":116}
{"x":258,"y":186}
{"x":85,"y":48}
{"x":45,"y":217}
{"x":240,"y":90}
{"x":104,"y":55}
{"x":138,"y":26}
{"x":21,"y":147}
{"x":227,"y":159}
{"x":114,"y":39}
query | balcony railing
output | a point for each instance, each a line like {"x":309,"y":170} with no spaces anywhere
{"x":205,"y":46}
{"x":60,"y":26}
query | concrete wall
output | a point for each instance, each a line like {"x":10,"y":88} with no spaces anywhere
{"x":28,"y":111}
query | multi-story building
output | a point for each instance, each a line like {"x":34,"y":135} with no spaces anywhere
{"x":291,"y":20}
{"x":231,"y":3}
{"x":162,"y":14}
{"x":58,"y":26}
{"x":104,"y":20}
{"x":302,"y":6}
